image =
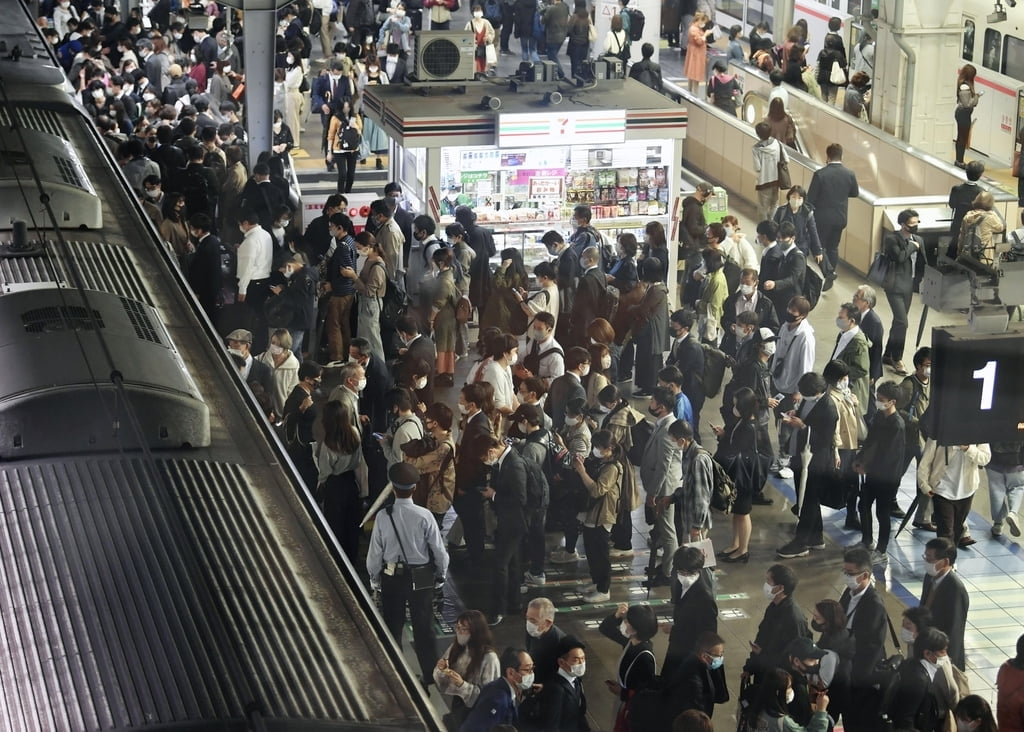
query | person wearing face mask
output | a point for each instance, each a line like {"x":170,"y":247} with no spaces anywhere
{"x":747,"y":299}
{"x":421,"y":271}
{"x":903,"y":250}
{"x":416,"y":348}
{"x":239,"y":342}
{"x":694,"y":612}
{"x":471,"y":474}
{"x":543,"y":638}
{"x":952,"y":475}
{"x":204,"y":269}
{"x":880,"y":461}
{"x":293,"y":304}
{"x":867,"y":619}
{"x":510,"y":278}
{"x":649,"y":327}
{"x":504,"y":353}
{"x":850,"y":428}
{"x":738,"y":451}
{"x":369,"y":284}
{"x":754,"y":373}
{"x":914,"y":399}
{"x":696,"y":685}
{"x":506,"y":489}
{"x":973,"y":714}
{"x":660,"y":475}
{"x":575,"y":437}
{"x":533,"y":392}
{"x":852,"y":348}
{"x":693,"y":496}
{"x":803,"y":664}
{"x":632,"y":627}
{"x":590,"y":300}
{"x":563,"y":703}
{"x":500,"y":701}
{"x":468,"y":665}
{"x":406,"y":426}
{"x":794,"y":357}
{"x":543,"y":357}
{"x":282,"y":140}
{"x":771,"y":703}
{"x":341,"y":471}
{"x":945,"y":595}
{"x":914,"y":621}
{"x":567,"y":274}
{"x":444,"y":296}
{"x":713,"y":293}
{"x":597,"y":379}
{"x":568,"y":386}
{"x":396,"y":32}
{"x":919,"y":701}
{"x":836,"y":641}
{"x":782,"y":623}
{"x":783,"y":278}
{"x":353,"y":382}
{"x":375,"y":140}
{"x":528,"y":424}
{"x":394,"y":64}
{"x":601,"y":475}
{"x":299,"y":414}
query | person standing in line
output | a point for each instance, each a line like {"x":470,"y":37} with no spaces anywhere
{"x":788,"y":279}
{"x":693,"y":496}
{"x":563,"y":705}
{"x":601,"y":476}
{"x":782,"y":623}
{"x":467,"y":666}
{"x":831,"y":188}
{"x":880,"y":461}
{"x":914,"y":401}
{"x":543,"y":637}
{"x":405,"y":548}
{"x":632,"y":627}
{"x":865,"y":298}
{"x":339,"y":289}
{"x":952,"y":475}
{"x":661,"y":474}
{"x":554,"y":17}
{"x":342,"y":476}
{"x":370,"y":283}
{"x":866,"y":619}
{"x":961,"y":200}
{"x":768,"y":153}
{"x":1006,"y":485}
{"x":945,"y":595}
{"x":507,"y":490}
{"x":852,"y":348}
{"x":499,"y":701}
{"x":904,"y":251}
{"x":695,"y":611}
{"x":966,"y":100}
{"x":794,"y":357}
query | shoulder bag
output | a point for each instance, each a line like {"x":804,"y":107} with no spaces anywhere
{"x":422,"y":578}
{"x":783,"y":179}
{"x":878,"y":273}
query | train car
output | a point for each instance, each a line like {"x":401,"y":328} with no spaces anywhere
{"x":160,"y":564}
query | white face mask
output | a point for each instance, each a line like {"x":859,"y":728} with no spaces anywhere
{"x":362,"y":384}
{"x":906,"y":635}
{"x":478,"y":14}
{"x":844,"y":384}
{"x":943,"y":661}
{"x":790,"y":695}
{"x":153,"y":194}
{"x":795,"y":203}
{"x":523,"y":426}
{"x":769,"y":592}
{"x":463,"y":409}
{"x":148,"y":96}
{"x":527,"y":681}
{"x":276,"y":350}
{"x":400,"y":13}
{"x":236,"y":352}
{"x":928,"y":372}
{"x":420,"y":383}
{"x":513,"y":359}
{"x":538,"y":335}
{"x":278,"y":126}
{"x":842,"y":324}
{"x":596,"y":452}
{"x":585,"y":371}
{"x":533,"y":630}
{"x":728,"y":230}
{"x":606,"y":362}
{"x":931,"y":568}
{"x":288,"y":273}
{"x":603,"y":409}
{"x":769,"y":348}
{"x":624,"y":629}
{"x":462,"y":638}
{"x":686,"y":580}
{"x":578,"y":669}
{"x":880,"y":405}
{"x":572,"y":421}
{"x":851,"y":582}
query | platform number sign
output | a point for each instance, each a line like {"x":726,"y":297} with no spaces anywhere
{"x":977,"y":387}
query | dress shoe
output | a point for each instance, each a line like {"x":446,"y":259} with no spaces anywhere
{"x":966,"y":542}
{"x":725,"y":553}
{"x":760,"y":499}
{"x":897,"y":512}
{"x":744,"y":558}
{"x":925,"y":526}
{"x":659,"y":580}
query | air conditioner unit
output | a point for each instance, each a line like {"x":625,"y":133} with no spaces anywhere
{"x":445,"y":56}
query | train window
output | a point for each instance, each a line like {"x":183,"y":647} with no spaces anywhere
{"x":968,"y":51}
{"x":1013,"y":57}
{"x":990,"y":56}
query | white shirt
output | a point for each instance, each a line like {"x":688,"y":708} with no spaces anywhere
{"x":844,"y":340}
{"x":855,"y":598}
{"x":500,"y":377}
{"x":255,"y":257}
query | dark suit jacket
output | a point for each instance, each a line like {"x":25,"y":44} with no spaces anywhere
{"x":806,"y":227}
{"x":961,"y":200}
{"x":898,"y":251}
{"x":560,"y":710}
{"x":821,"y":420}
{"x":372,"y":402}
{"x":470,"y":471}
{"x":318,"y":237}
{"x":695,"y":613}
{"x":872,"y":326}
{"x":949,"y":611}
{"x":544,"y":652}
{"x":688,"y":357}
{"x":586,"y":304}
{"x":790,"y":282}
{"x":692,"y":685}
{"x":782,"y":624}
{"x":204,"y":274}
{"x":764,"y":307}
{"x":509,"y":483}
{"x":264,"y":199}
{"x":869,"y":630}
{"x":831,"y":188}
{"x":401,"y":71}
{"x":563,"y":389}
{"x":495,"y":705}
{"x":421,"y":349}
{"x":262,"y":375}
{"x":916,"y":703}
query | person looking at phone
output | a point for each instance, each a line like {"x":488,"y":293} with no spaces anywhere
{"x":783,"y":622}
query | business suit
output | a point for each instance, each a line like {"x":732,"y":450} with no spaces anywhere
{"x":661,"y":472}
{"x":495,"y":705}
{"x":763,"y":307}
{"x":695,"y":613}
{"x":421,"y":349}
{"x":508,"y":480}
{"x":544,"y":652}
{"x":564,"y":706}
{"x":471,"y":474}
{"x":899,"y":286}
{"x":372,"y":400}
{"x":829,"y":192}
{"x":688,"y":356}
{"x":587,"y":304}
{"x":204,"y":274}
{"x":821,"y":423}
{"x":790,"y":280}
{"x":649,"y":327}
{"x":961,"y":200}
{"x":868,"y":625}
{"x":874,"y":331}
{"x":562,"y":390}
{"x":949,"y":602}
{"x":260,"y":373}
{"x":782,"y":624}
{"x":917,"y":703}
{"x":692,"y":685}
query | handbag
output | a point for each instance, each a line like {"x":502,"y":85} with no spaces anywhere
{"x":837,"y":76}
{"x":707,"y":547}
{"x":591,"y":33}
{"x":490,"y":54}
{"x":878,"y":272}
{"x":784,"y":180}
{"x":1015,"y":168}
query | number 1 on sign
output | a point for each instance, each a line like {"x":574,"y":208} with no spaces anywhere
{"x":988,"y":383}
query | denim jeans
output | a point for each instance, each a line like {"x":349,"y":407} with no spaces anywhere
{"x":1005,"y":491}
{"x":528,"y":49}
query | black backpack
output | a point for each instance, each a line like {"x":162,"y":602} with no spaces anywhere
{"x":636,"y":24}
{"x":350,"y":139}
{"x":723,"y":487}
{"x":640,"y":433}
{"x":394,"y":302}
{"x":538,"y":495}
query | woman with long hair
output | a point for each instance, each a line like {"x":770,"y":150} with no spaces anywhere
{"x":579,"y":39}
{"x":769,"y":709}
{"x":339,"y":457}
{"x":783,"y":128}
{"x":696,"y":66}
{"x":599,"y":376}
{"x":174,"y":228}
{"x":284,"y":366}
{"x":444,"y":296}
{"x":466,"y":666}
{"x":829,"y":619}
{"x":966,"y":100}
{"x":510,"y":278}
{"x":737,"y":446}
{"x":973,"y":713}
{"x":435,"y":461}
{"x":342,"y":118}
{"x":293,"y":99}
{"x":601,"y":475}
{"x":370,"y":284}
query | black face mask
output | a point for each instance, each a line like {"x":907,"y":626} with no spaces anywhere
{"x":912,"y":229}
{"x":790,"y":318}
{"x":654,"y":411}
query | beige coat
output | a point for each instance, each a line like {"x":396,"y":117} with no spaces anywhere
{"x":935,"y":462}
{"x":603,"y":506}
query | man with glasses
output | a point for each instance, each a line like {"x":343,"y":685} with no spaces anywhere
{"x":866,"y":619}
{"x":499,"y":701}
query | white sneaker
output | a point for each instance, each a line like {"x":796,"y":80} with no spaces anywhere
{"x":786,"y":473}
{"x":561,"y":556}
{"x":535,"y":580}
{"x":596,"y":596}
{"x":879,"y":559}
{"x":620,"y":553}
{"x":1013,"y":522}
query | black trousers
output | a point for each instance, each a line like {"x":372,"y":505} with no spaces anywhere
{"x":346,"y":163}
{"x":507,"y":21}
{"x":508,"y":571}
{"x":950,"y":517}
{"x":471,"y":511}
{"x":595,"y":542}
{"x":534,"y":540}
{"x":342,"y":511}
{"x":395,"y":594}
{"x":830,"y":236}
{"x":881,"y":493}
{"x":899,"y":302}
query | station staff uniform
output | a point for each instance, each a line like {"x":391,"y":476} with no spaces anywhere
{"x":406,"y":538}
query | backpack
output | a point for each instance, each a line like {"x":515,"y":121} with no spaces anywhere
{"x":532,"y":363}
{"x":640,"y":434}
{"x":557,"y":462}
{"x":609,"y":302}
{"x":538,"y":494}
{"x":350,"y":139}
{"x":972,"y":245}
{"x":394,"y":302}
{"x":812,"y":287}
{"x":636,"y":24}
{"x":463,"y":310}
{"x":723,"y":487}
{"x":214,"y":162}
{"x":714,"y":369}
{"x":492,"y":11}
{"x":196,"y":189}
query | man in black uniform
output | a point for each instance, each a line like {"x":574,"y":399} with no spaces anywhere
{"x":405,"y":561}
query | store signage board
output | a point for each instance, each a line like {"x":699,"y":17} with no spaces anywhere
{"x":474,"y":176}
{"x":546,"y":187}
{"x":561,"y":128}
